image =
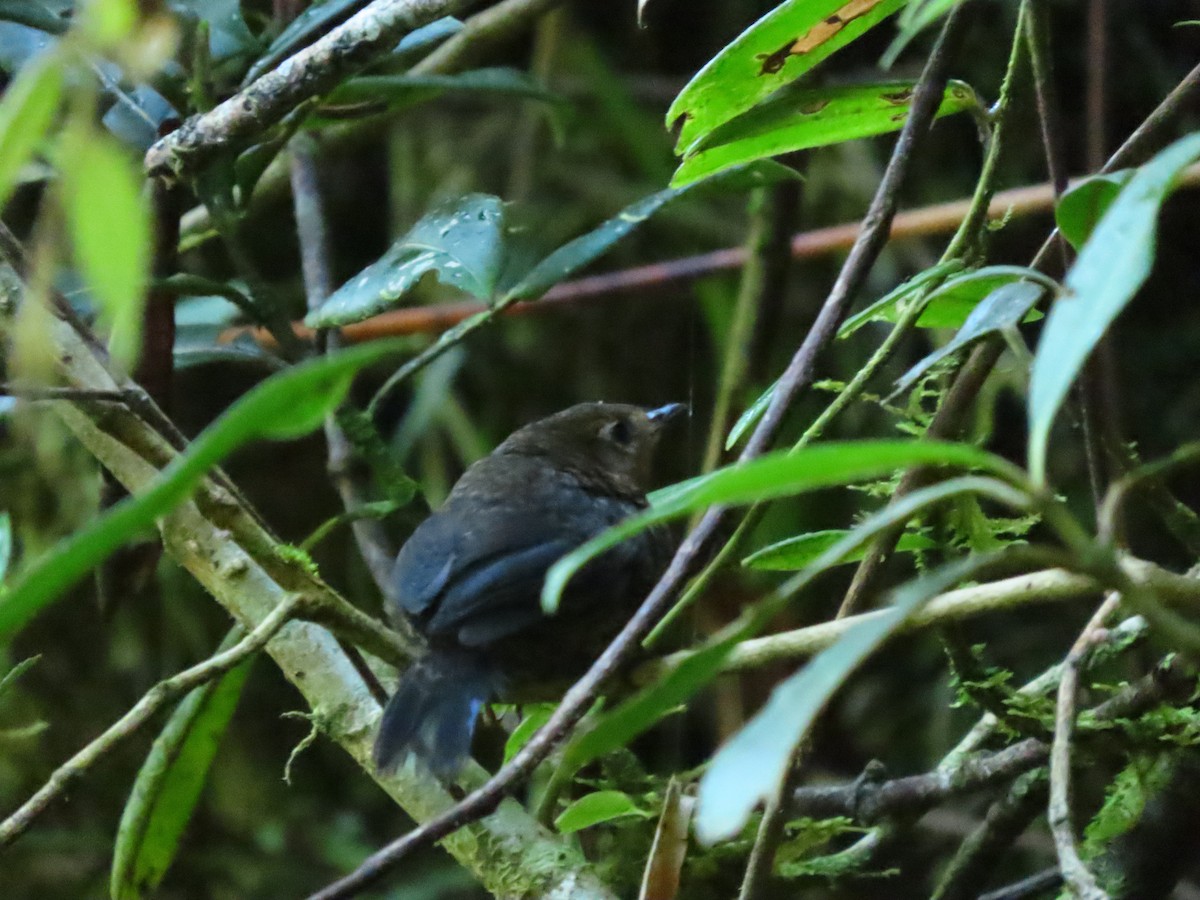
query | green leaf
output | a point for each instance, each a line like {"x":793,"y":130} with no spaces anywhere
{"x":747,"y":419}
{"x":587,"y":248}
{"x":110,"y":232}
{"x":287,"y":405}
{"x":774,"y":51}
{"x":1004,"y":307}
{"x":751,"y":767}
{"x":593,"y":809}
{"x":399,"y":91}
{"x":169,"y":784}
{"x":1083,"y":205}
{"x":1110,"y":268}
{"x":812,"y":117}
{"x":6,"y":544}
{"x":617,"y":727}
{"x":535,"y":718}
{"x":795,"y":553}
{"x":949,"y":305}
{"x":768,"y":477}
{"x":887,"y":307}
{"x":26,"y":112}
{"x":14,"y":674}
{"x":461,"y":241}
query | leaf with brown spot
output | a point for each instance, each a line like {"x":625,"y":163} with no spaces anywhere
{"x":776,"y":50}
{"x":814,"y":117}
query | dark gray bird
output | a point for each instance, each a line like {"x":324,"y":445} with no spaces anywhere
{"x":470,"y":577}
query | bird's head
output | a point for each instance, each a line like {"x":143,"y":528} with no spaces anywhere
{"x":606,"y":445}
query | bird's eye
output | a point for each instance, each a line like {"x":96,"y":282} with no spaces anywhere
{"x":619,"y":431}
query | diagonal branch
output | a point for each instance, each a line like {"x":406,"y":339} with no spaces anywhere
{"x":796,"y":378}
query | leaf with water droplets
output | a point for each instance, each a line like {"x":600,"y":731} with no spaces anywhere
{"x":462,"y":242}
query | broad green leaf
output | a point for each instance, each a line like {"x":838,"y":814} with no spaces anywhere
{"x":1082,"y":206}
{"x":887,"y":307}
{"x":462,"y":242}
{"x":593,"y":809}
{"x":6,"y":544}
{"x":588,"y":247}
{"x":1003,"y":308}
{"x":617,"y":727}
{"x":1110,"y":268}
{"x":811,"y":117}
{"x":751,"y":767}
{"x":169,"y":784}
{"x":950,"y":304}
{"x":110,"y":232}
{"x":26,"y":112}
{"x":914,"y":19}
{"x":795,"y":553}
{"x":768,"y":477}
{"x":287,"y":405}
{"x":107,"y":22}
{"x":774,"y":51}
{"x":399,"y":91}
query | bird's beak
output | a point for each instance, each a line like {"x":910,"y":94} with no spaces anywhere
{"x":664,"y":414}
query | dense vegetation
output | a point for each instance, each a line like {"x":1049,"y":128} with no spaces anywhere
{"x":275,"y":274}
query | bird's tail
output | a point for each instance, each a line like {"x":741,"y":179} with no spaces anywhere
{"x":434,"y":709}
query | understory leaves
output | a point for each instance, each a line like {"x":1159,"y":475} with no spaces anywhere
{"x":596,"y":808}
{"x":1110,"y":268}
{"x":1082,"y":206}
{"x":287,"y":405}
{"x":1005,"y":307}
{"x":774,"y":51}
{"x":26,"y":113}
{"x":461,"y":241}
{"x":812,"y":117}
{"x":770,"y":476}
{"x":170,"y":783}
{"x":794,"y":553}
{"x":750,"y":768}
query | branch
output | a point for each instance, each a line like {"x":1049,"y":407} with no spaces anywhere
{"x":311,"y":72}
{"x":1080,"y":881}
{"x":796,"y":378}
{"x":220,"y":541}
{"x":155,"y":699}
{"x":1051,"y":585}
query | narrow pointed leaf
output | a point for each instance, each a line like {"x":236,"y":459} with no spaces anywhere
{"x":887,"y":307}
{"x":1003,"y":308}
{"x":774,"y":51}
{"x":771,"y":476}
{"x":287,"y":405}
{"x":795,"y":553}
{"x":813,"y":117}
{"x":750,"y":768}
{"x":26,"y":112}
{"x":617,"y":727}
{"x":1110,"y":268}
{"x":169,"y":785}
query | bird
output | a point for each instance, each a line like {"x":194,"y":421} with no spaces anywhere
{"x":470,"y":576}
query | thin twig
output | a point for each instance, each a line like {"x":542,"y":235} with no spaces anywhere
{"x":796,"y":378}
{"x":1048,"y":586}
{"x":155,"y":699}
{"x":311,"y":72}
{"x":1080,"y":881}
{"x":369,"y":534}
